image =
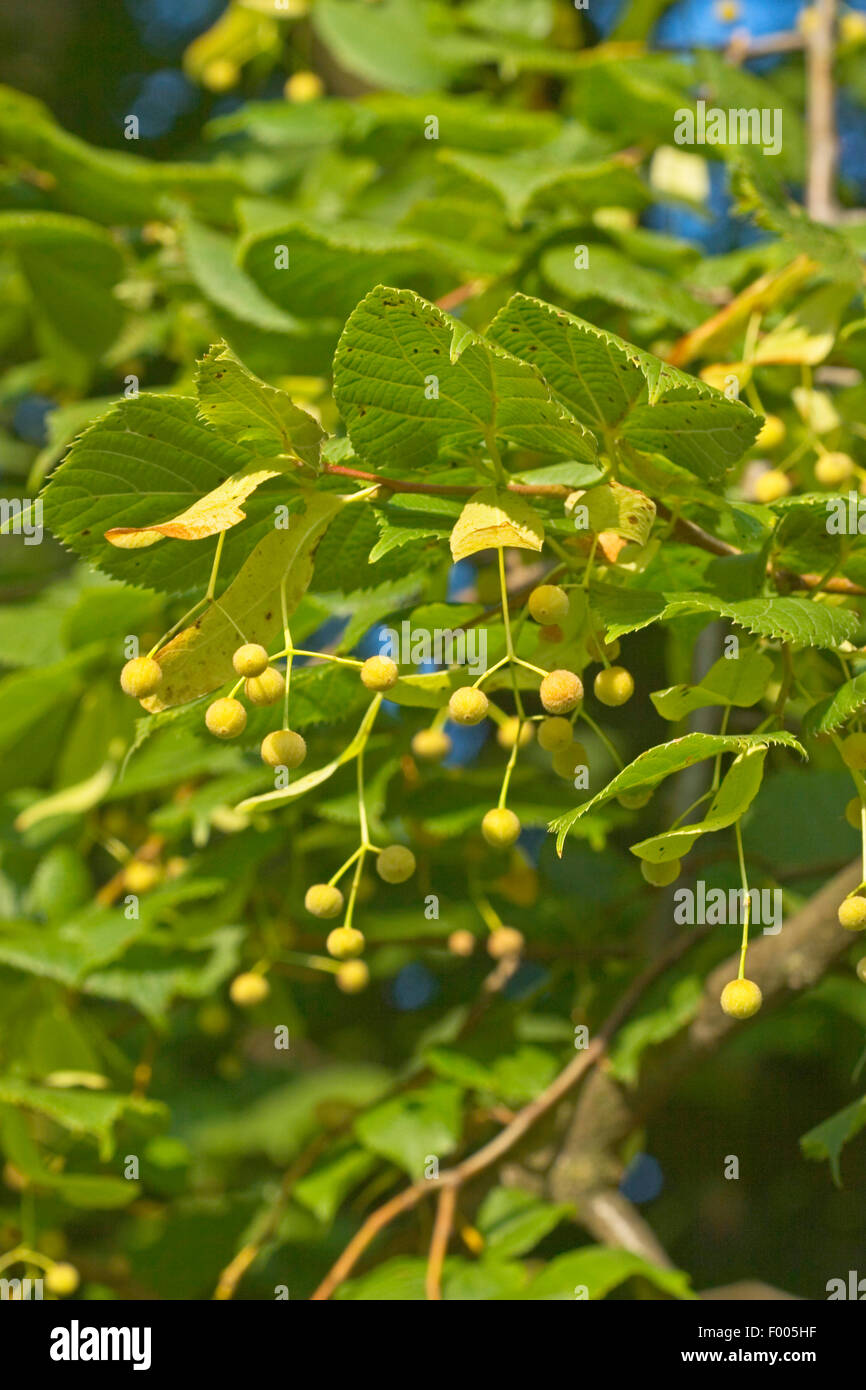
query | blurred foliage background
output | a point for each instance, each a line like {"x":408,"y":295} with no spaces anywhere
{"x":117,"y":1037}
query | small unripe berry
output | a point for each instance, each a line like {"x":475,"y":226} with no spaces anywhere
{"x":831,"y":470}
{"x":468,"y":705}
{"x":741,"y":998}
{"x":853,"y":812}
{"x":507,"y":733}
{"x":250,"y":659}
{"x":395,"y":864}
{"x":854,"y":751}
{"x":220,"y":75}
{"x":353,"y":976}
{"x":613,"y":686}
{"x":303,"y":86}
{"x":140,"y":677}
{"x":504,"y":941}
{"x":431,"y":745}
{"x":461,"y":942}
{"x":140,"y":876}
{"x":566,"y":761}
{"x":249,"y":989}
{"x":554,"y":734}
{"x":551,"y":632}
{"x":283,"y":748}
{"x":500,"y":827}
{"x":379,"y":673}
{"x":62,"y":1279}
{"x":265,"y":689}
{"x":226,"y":718}
{"x":561,"y":692}
{"x":323,"y":900}
{"x":861,"y":969}
{"x":634,"y":800}
{"x":852,"y":914}
{"x":772,"y":485}
{"x":345,"y":942}
{"x":548,"y":603}
{"x":771,"y":433}
{"x":660,"y":875}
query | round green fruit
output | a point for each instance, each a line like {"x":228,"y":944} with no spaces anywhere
{"x":345,"y":942}
{"x":548,"y":604}
{"x":555,"y":734}
{"x":250,"y":660}
{"x":323,"y":900}
{"x":140,"y":677}
{"x":854,"y":751}
{"x":468,"y":705}
{"x":561,"y":692}
{"x":379,"y":673}
{"x":613,"y":686}
{"x":283,"y":748}
{"x":353,"y":976}
{"x":265,"y":689}
{"x":741,"y":999}
{"x":660,"y":875}
{"x":431,"y":745}
{"x":395,"y":864}
{"x":249,"y":989}
{"x":500,"y":827}
{"x":226,"y":718}
{"x":852,"y":914}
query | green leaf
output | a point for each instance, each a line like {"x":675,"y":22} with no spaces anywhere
{"x":610,"y":385}
{"x":79,"y":1111}
{"x":513,"y":1222}
{"x":653,"y":1027}
{"x":802,"y":622}
{"x":654,"y":765}
{"x":110,"y":186}
{"x":210,"y":257}
{"x":149,"y":977}
{"x":199,"y":659}
{"x":415,"y":1126}
{"x":740,"y":681}
{"x":415,"y":386}
{"x":71,"y":268}
{"x":250,"y":412}
{"x":532,"y":180}
{"x":618,"y":279}
{"x":147,"y":460}
{"x":828,"y":1139}
{"x":598,"y":1269}
{"x":738,"y":790}
{"x":387,"y":46}
{"x":495,"y":518}
{"x":835,"y":710}
{"x":330,"y":266}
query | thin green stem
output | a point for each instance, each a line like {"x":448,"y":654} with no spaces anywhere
{"x":747,"y":901}
{"x":604,"y":738}
{"x":503,"y":795}
{"x":509,"y":640}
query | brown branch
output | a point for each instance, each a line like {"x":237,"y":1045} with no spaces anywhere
{"x":823,"y":145}
{"x":511,"y":1135}
{"x":443,"y":1225}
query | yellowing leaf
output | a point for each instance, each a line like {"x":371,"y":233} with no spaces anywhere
{"x":216,"y":511}
{"x":493,"y":518}
{"x":199,"y":659}
{"x":614,"y":513}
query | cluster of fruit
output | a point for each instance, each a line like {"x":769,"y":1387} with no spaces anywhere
{"x":832,"y":468}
